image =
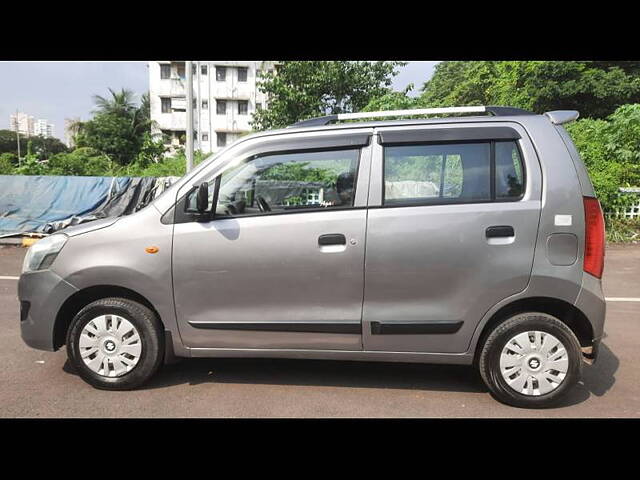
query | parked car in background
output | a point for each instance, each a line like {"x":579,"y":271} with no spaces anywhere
{"x":470,"y":240}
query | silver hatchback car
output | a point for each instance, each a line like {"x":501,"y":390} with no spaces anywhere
{"x":471,"y":240}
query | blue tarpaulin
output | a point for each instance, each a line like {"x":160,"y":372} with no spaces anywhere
{"x":28,"y":203}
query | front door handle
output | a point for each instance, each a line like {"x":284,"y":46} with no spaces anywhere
{"x":500,"y":231}
{"x":332,"y":239}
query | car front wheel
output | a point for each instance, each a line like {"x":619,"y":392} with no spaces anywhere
{"x":115,"y":343}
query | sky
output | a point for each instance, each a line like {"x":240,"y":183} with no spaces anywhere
{"x":59,"y":90}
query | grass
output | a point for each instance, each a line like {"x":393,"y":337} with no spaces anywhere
{"x":623,"y":230}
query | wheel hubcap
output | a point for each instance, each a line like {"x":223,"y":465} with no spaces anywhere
{"x":110,"y":345}
{"x":534,"y":363}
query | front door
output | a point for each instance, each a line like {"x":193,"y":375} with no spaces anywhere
{"x":281,"y":264}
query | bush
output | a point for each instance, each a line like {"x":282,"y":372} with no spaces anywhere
{"x":83,"y":161}
{"x":610,"y":150}
{"x":6,"y":163}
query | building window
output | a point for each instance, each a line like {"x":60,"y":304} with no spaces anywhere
{"x":193,"y":69}
{"x":222,"y":139}
{"x":194,"y":103}
{"x":243,"y":107}
{"x":166,"y":104}
{"x":205,"y":137}
{"x":203,"y":69}
{"x":258,"y":106}
{"x":165,"y":71}
{"x":166,"y":137}
{"x":181,"y":73}
{"x":221,"y":107}
{"x":242,"y":74}
{"x":205,"y":104}
{"x":221,"y":74}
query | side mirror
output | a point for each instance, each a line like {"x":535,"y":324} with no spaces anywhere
{"x":202,"y":198}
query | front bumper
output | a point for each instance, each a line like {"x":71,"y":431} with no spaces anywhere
{"x":41,"y":296}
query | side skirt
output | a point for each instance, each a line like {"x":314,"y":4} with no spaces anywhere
{"x":368,"y":356}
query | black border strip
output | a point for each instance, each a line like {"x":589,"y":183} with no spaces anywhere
{"x":415,"y":328}
{"x":310,"y":327}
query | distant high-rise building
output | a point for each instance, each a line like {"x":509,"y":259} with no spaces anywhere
{"x":28,"y":126}
{"x":22,"y":123}
{"x":43,"y":128}
{"x":225,"y":97}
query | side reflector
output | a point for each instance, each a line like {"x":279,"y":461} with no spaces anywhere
{"x":151,"y":249}
{"x":594,"y":239}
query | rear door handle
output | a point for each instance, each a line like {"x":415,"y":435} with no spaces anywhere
{"x":332,"y":239}
{"x":500,"y":231}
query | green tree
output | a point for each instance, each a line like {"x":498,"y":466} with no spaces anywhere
{"x":117,"y":128}
{"x":610,"y":150}
{"x":83,"y":161}
{"x":596,"y":89}
{"x":151,"y":151}
{"x":42,"y":147}
{"x":304,"y":89}
{"x":6,"y":163}
{"x":30,"y":165}
{"x":393,"y":101}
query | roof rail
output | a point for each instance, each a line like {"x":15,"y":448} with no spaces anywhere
{"x":493,"y":110}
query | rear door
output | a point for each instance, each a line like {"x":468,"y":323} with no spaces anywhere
{"x":451,"y":231}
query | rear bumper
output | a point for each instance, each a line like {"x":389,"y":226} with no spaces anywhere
{"x":590,"y":354}
{"x":41,"y":295}
{"x":591,"y":302}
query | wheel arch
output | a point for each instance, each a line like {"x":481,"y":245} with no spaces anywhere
{"x":569,"y":314}
{"x":83,"y":297}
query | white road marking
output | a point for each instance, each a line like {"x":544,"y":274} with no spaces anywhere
{"x":8,"y":278}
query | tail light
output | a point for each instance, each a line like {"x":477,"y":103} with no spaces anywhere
{"x":594,"y":237}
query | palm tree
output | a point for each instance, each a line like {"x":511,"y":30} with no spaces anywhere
{"x":120,"y":102}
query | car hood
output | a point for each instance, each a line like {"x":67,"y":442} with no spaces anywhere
{"x":89,"y":226}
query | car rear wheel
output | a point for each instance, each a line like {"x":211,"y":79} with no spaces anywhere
{"x":531,"y":360}
{"x":115,"y":343}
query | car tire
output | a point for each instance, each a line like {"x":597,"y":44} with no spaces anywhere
{"x":115,"y":344}
{"x":536,"y":374}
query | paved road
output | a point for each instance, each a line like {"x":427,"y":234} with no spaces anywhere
{"x":41,"y":384}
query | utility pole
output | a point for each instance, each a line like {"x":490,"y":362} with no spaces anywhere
{"x":17,"y":123}
{"x":189,"y":150}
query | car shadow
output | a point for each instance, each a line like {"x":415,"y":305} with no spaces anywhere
{"x":324,"y":373}
{"x":596,"y":379}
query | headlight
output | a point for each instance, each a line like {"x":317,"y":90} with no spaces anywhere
{"x":41,"y":254}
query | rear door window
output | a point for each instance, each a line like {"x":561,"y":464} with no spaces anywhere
{"x":452,"y":173}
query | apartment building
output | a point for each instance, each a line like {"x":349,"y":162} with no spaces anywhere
{"x":28,"y":126}
{"x":225,"y":97}
{"x":22,"y":123}
{"x":43,"y":128}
